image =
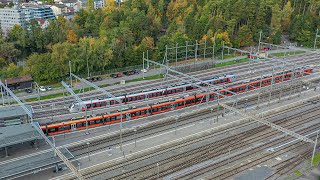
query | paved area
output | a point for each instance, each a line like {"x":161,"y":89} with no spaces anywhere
{"x":30,"y":162}
{"x":160,"y":139}
{"x":260,"y":172}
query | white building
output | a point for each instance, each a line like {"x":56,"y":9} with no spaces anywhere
{"x":21,"y":15}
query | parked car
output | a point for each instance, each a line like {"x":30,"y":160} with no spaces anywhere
{"x":119,"y":75}
{"x":29,"y":90}
{"x":127,"y":73}
{"x":144,"y":70}
{"x":49,"y":88}
{"x":114,"y":75}
{"x":135,"y":71}
{"x":42,"y":88}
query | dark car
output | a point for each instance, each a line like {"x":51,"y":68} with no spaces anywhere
{"x":127,"y":73}
{"x":28,"y":90}
{"x":135,"y":71}
{"x":93,"y":79}
{"x":114,"y":75}
{"x":99,"y":78}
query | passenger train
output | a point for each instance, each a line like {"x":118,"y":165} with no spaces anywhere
{"x":178,"y":103}
{"x":98,"y":103}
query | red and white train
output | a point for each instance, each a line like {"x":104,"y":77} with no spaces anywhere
{"x":98,"y":103}
{"x":168,"y":106}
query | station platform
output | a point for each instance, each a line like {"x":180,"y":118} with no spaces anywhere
{"x":17,"y":134}
{"x":33,"y":162}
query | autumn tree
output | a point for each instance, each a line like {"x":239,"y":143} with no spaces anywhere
{"x":72,"y":37}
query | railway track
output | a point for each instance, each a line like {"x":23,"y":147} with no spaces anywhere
{"x":113,"y":141}
{"x":155,"y":83}
{"x":64,"y":111}
{"x":205,"y":152}
{"x":95,"y":145}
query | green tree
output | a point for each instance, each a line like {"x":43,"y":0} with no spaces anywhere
{"x":40,"y":67}
{"x":286,"y":17}
{"x":276,"y":19}
{"x":245,"y":37}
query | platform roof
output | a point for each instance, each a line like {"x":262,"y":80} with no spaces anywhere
{"x":10,"y":111}
{"x":32,"y":162}
{"x":17,"y":134}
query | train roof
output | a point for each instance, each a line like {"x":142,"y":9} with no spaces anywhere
{"x":157,"y":89}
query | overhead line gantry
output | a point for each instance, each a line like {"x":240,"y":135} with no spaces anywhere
{"x":39,"y":130}
{"x":261,"y":120}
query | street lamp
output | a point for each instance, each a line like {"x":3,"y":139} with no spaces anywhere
{"x":135,"y":136}
{"x":212,"y":116}
{"x":175,"y":132}
{"x":245,"y":105}
{"x":87,"y":129}
{"x":158,"y":170}
{"x":88,"y":143}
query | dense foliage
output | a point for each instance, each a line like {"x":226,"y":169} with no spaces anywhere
{"x":116,"y":36}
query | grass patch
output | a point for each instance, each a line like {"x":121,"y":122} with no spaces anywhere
{"x":50,"y":96}
{"x":287,"y":53}
{"x":229,"y":63}
{"x":316,"y":160}
{"x":147,"y":78}
{"x":226,"y":56}
{"x":297,"y":172}
{"x":104,"y":85}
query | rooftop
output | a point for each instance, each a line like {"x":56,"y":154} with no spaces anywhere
{"x":18,"y":79}
{"x":9,"y":111}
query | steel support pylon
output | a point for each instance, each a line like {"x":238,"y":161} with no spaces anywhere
{"x":261,"y":120}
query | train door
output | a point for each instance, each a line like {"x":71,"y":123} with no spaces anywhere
{"x":172,"y":107}
{"x":128,"y":116}
{"x":73,"y":127}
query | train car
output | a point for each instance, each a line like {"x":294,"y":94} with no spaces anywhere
{"x":162,"y":107}
{"x":98,"y":103}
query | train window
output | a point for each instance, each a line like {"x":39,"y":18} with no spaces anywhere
{"x":143,"y":112}
{"x":112,"y":102}
{"x":134,"y":98}
{"x":98,"y":121}
{"x":169,"y":92}
{"x":154,"y":109}
{"x":94,"y":105}
{"x":98,"y":104}
{"x":158,"y":94}
{"x":88,"y":105}
{"x":52,"y":130}
{"x":138,"y":113}
{"x":63,"y":128}
{"x":104,"y":103}
{"x":118,"y":117}
{"x":91,"y":122}
{"x":142,"y":96}
{"x":79,"y":125}
{"x":113,"y":118}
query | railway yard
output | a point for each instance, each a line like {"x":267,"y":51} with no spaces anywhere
{"x":253,"y":120}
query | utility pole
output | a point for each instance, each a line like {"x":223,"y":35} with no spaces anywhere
{"x":315,"y":39}
{"x":314,"y":148}
{"x":259,"y":41}
{"x":70,"y":73}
